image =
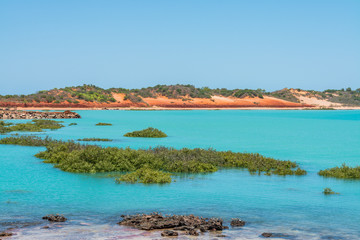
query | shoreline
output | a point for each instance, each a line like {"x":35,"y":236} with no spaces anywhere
{"x":188,"y":108}
{"x":89,"y":228}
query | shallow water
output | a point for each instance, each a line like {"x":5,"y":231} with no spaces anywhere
{"x":30,"y":189}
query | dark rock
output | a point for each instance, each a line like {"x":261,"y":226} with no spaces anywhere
{"x":185,"y":228}
{"x":236,"y":222}
{"x":45,"y":227}
{"x":192,"y":232}
{"x":275,"y":235}
{"x":169,"y":233}
{"x":221,"y":235}
{"x":14,"y":114}
{"x":55,"y":218}
{"x":267,"y":235}
{"x":189,"y":223}
{"x":5,"y":234}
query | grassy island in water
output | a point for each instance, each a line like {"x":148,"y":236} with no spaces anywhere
{"x":147,"y":133}
{"x":344,"y":172}
{"x":153,"y":165}
{"x":32,"y":126}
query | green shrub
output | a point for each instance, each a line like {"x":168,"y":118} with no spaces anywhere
{"x":47,"y":124}
{"x":147,"y":133}
{"x":25,"y":127}
{"x":344,"y":172}
{"x":329,"y":191}
{"x":103,"y":124}
{"x":95,"y":139}
{"x":72,"y":124}
{"x":33,"y":126}
{"x":29,"y":141}
{"x":4,"y":127}
{"x":145,"y":175}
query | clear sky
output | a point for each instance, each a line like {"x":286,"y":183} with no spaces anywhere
{"x":269,"y":44}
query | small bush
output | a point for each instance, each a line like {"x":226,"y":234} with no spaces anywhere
{"x":145,"y":175}
{"x":47,"y":124}
{"x":95,"y":139}
{"x":147,"y":133}
{"x":29,"y":141}
{"x":329,"y":191}
{"x":103,"y":124}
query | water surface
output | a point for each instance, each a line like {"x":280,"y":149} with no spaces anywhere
{"x":30,"y":189}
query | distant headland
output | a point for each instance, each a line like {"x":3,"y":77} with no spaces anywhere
{"x":182,"y":97}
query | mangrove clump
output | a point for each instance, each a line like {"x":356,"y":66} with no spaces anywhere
{"x":147,"y":133}
{"x":103,"y":124}
{"x":95,"y":139}
{"x":160,"y":161}
{"x":33,"y":126}
{"x":329,"y":191}
{"x":344,"y":172}
{"x":30,"y":141}
{"x":145,"y":175}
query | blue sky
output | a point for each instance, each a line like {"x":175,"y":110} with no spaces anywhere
{"x":310,"y":44}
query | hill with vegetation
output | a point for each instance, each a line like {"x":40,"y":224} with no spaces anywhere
{"x":179,"y":96}
{"x":345,"y":97}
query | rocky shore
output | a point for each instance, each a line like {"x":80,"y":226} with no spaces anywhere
{"x":165,"y":226}
{"x":171,"y":224}
{"x":14,"y":114}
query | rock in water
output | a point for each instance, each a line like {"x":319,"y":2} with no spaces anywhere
{"x":192,"y":232}
{"x":5,"y":234}
{"x":169,"y":233}
{"x":55,"y":218}
{"x":276,"y":235}
{"x":236,"y":222}
{"x":267,"y":235}
{"x":188,"y":223}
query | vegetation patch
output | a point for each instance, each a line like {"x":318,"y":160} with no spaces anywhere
{"x":30,"y":141}
{"x":103,"y":124}
{"x":284,"y":94}
{"x":346,"y":96}
{"x":147,"y":133}
{"x":320,"y":108}
{"x":73,"y":124}
{"x":160,"y":161}
{"x":95,"y":139}
{"x":344,"y":172}
{"x":145,"y":175}
{"x":329,"y":191}
{"x":33,"y":126}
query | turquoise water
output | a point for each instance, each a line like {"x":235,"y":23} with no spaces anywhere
{"x":30,"y":189}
